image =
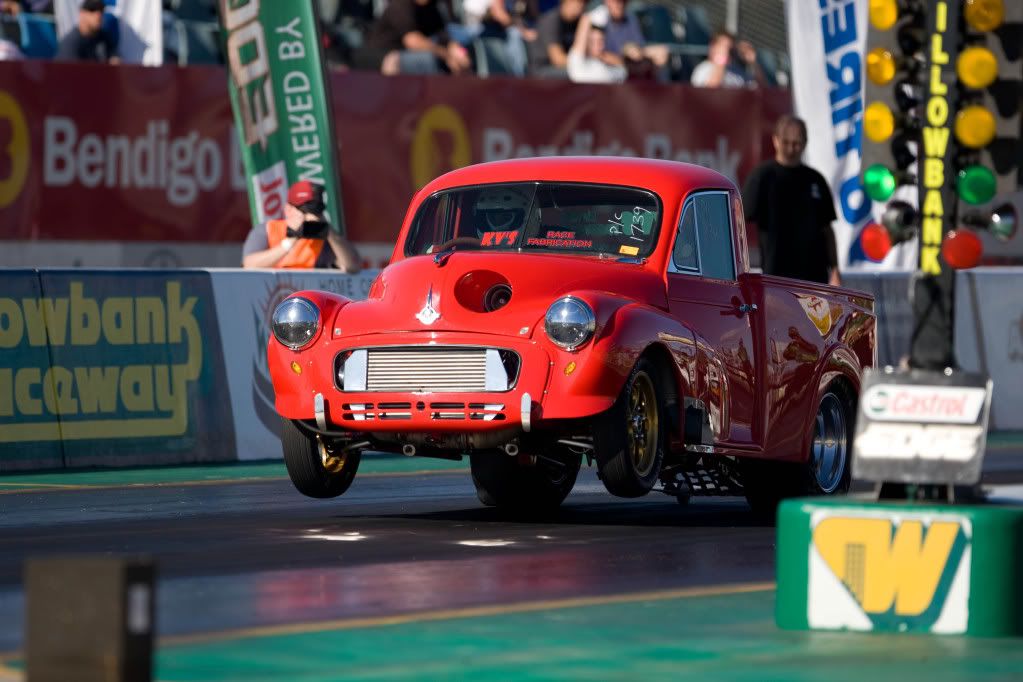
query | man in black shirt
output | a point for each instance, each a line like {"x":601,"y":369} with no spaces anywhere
{"x":793,"y":210}
{"x":89,"y":41}
{"x":555,"y":34}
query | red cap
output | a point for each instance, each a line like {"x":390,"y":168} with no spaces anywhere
{"x":302,"y":192}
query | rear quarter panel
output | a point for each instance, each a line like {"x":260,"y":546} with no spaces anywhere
{"x":813,"y":334}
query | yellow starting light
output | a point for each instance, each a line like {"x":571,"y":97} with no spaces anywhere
{"x":975,"y":126}
{"x":984,"y":15}
{"x":878,"y":122}
{"x":883,"y":14}
{"x":977,"y":67}
{"x":880,"y":66}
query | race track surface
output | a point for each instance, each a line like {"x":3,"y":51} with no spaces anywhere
{"x":253,"y":553}
{"x":408,"y":576}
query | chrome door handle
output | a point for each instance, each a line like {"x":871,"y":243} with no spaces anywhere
{"x":748,"y":308}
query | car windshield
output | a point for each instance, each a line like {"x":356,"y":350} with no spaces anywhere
{"x":538,"y":217}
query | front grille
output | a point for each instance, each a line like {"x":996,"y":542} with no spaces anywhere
{"x":434,"y":370}
{"x":427,"y":369}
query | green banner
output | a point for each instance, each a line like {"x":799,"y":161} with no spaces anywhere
{"x":281,"y":108}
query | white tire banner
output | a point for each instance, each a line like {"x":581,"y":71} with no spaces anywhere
{"x":245,"y":301}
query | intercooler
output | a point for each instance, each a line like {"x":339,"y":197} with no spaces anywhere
{"x":427,"y":369}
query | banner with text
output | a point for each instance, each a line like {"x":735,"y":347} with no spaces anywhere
{"x":156,"y":158}
{"x":281,"y":110}
{"x":111,"y":369}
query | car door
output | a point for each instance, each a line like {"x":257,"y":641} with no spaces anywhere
{"x":706,"y":296}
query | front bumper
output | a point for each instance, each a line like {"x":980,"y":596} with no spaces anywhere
{"x":306,"y":387}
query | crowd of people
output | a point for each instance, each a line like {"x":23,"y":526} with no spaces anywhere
{"x":604,"y":43}
{"x":586,"y":41}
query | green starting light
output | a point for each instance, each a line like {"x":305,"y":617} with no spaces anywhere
{"x":976,"y":185}
{"x":879,"y":182}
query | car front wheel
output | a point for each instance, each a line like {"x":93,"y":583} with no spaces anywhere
{"x":313,"y":467}
{"x":629,"y":439}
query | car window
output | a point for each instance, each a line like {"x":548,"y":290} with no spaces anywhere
{"x":714,"y":230}
{"x":577,"y":218}
{"x":684,"y":254}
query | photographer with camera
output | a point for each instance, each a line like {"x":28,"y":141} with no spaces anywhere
{"x":298,"y":241}
{"x":729,"y":64}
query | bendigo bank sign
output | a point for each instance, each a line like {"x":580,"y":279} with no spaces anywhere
{"x":93,"y":357}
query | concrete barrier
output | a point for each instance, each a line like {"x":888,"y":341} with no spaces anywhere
{"x":136,"y":367}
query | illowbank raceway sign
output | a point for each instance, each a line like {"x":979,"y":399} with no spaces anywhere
{"x":109,"y":368}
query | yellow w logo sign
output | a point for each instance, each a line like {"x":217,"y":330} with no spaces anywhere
{"x":888,"y":565}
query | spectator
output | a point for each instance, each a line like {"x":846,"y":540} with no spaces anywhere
{"x":9,"y":52}
{"x":512,"y":21}
{"x":94,"y":39}
{"x":719,"y":68}
{"x":588,"y":61}
{"x":15,"y":7}
{"x":793,"y":210}
{"x":624,"y":39}
{"x":298,"y":241}
{"x":556,"y":30}
{"x":410,"y":37}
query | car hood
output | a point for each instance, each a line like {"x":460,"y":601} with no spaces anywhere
{"x":455,"y":289}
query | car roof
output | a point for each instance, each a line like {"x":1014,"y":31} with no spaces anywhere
{"x":669,"y":179}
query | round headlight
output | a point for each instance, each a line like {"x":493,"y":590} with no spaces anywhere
{"x":295,"y":322}
{"x":569,"y":322}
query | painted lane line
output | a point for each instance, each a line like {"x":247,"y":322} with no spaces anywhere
{"x":469,"y":612}
{"x":58,"y":487}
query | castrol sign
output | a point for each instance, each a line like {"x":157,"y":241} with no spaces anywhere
{"x":939,"y":404}
{"x":921,"y":427}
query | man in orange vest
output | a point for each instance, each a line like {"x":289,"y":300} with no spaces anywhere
{"x":298,"y":241}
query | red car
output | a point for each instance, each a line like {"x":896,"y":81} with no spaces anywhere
{"x":537,"y":312}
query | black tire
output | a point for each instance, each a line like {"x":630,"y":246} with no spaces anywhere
{"x":767,"y":483}
{"x":628,"y":462}
{"x":501,"y":481}
{"x":305,"y":467}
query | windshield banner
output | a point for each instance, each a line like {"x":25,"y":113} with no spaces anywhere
{"x":281,"y":109}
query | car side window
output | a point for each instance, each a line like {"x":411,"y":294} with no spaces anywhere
{"x":714,"y":230}
{"x":684,"y":255}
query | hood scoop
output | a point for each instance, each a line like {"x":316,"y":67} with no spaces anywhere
{"x":483,"y":291}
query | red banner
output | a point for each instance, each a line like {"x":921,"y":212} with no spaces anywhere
{"x":91,"y":152}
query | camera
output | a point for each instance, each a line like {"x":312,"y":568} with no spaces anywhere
{"x":311,"y":229}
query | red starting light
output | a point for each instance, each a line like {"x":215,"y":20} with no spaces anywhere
{"x":876,"y":242}
{"x":962,"y":249}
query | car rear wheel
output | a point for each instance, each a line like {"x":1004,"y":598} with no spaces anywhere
{"x":629,"y":439}
{"x":503,"y":481}
{"x":826,"y":470}
{"x":314,"y":468}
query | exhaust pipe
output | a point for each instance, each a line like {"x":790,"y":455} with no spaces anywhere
{"x":511,"y":449}
{"x":408,"y":450}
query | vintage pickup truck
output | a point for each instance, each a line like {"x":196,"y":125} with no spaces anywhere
{"x":541,"y":312}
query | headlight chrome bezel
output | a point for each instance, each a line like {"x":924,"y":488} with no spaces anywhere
{"x":554,"y":323}
{"x":279,"y":323}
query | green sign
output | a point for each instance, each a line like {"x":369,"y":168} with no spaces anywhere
{"x":281,"y":108}
{"x":853,"y":564}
